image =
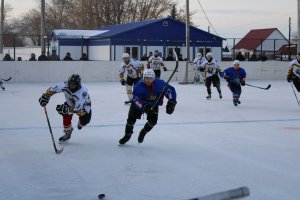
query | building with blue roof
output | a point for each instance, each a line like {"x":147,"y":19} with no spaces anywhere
{"x":137,"y":39}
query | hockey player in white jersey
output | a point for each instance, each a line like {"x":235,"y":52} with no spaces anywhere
{"x":211,"y":69}
{"x":155,"y":62}
{"x":294,"y":72}
{"x":77,"y":102}
{"x":134,"y":69}
{"x":197,"y":64}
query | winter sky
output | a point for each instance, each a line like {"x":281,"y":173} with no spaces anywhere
{"x":231,"y":18}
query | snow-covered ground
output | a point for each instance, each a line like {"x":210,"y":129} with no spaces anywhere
{"x":206,"y":146}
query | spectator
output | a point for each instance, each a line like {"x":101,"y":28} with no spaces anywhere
{"x":84,"y":57}
{"x":32,"y":57}
{"x":170,"y":57}
{"x":150,"y":54}
{"x":68,"y":57}
{"x":180,"y":57}
{"x":144,"y":57}
{"x":54,"y":56}
{"x":19,"y":58}
{"x":43,"y":57}
{"x":253,"y":57}
{"x":7,"y":57}
{"x":240,"y":57}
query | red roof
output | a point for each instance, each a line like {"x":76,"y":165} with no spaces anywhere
{"x":254,"y":38}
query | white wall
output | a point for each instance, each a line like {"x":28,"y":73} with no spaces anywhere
{"x":55,"y":71}
{"x":99,"y":53}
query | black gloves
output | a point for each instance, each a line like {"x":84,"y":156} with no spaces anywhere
{"x":165,"y":69}
{"x":170,"y":106}
{"x":44,"y":100}
{"x":62,"y":109}
{"x":243,"y":83}
{"x":201,"y":69}
{"x":227,"y":78}
{"x":289,"y":78}
{"x":123,"y":82}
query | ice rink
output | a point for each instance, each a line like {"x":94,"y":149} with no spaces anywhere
{"x":206,"y":146}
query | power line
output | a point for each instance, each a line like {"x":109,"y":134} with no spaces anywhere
{"x":207,"y":18}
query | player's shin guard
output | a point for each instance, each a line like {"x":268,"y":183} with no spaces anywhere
{"x":129,"y":91}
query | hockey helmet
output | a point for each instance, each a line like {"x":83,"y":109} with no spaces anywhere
{"x":199,"y":55}
{"x":74,"y":82}
{"x":236,"y":63}
{"x":209,"y":55}
{"x":149,"y":73}
{"x":125,"y":55}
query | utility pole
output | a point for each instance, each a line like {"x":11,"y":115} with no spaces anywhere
{"x":187,"y":39}
{"x":298,"y":29}
{"x":43,"y":25}
{"x":1,"y":29}
{"x":289,"y":39}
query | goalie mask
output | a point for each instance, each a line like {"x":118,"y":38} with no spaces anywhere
{"x":74,"y":82}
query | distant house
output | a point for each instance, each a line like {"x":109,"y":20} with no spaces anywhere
{"x":137,"y":38}
{"x":261,"y":42}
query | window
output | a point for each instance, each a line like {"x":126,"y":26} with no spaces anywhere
{"x":133,"y":52}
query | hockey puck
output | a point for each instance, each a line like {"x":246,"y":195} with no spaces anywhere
{"x":101,"y":196}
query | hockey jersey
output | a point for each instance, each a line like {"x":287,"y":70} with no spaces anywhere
{"x":142,"y":94}
{"x":155,"y":63}
{"x":294,"y":68}
{"x":134,"y":69}
{"x":79,"y":102}
{"x":210,"y":68}
{"x":235,"y":75}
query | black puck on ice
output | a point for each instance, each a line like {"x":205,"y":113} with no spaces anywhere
{"x":101,"y":196}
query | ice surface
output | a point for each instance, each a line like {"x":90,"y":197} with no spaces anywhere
{"x":206,"y":146}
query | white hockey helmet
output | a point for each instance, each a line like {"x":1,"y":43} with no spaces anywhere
{"x":125,"y":55}
{"x":236,"y":62}
{"x":209,"y":55}
{"x":199,"y":55}
{"x":149,"y":73}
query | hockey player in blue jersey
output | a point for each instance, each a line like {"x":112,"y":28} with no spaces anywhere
{"x":145,"y":95}
{"x":235,"y":76}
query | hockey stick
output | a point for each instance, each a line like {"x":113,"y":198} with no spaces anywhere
{"x":57,"y":151}
{"x":227,"y":195}
{"x":295,"y":94}
{"x":165,"y":86}
{"x":268,"y":87}
{"x":6,"y":79}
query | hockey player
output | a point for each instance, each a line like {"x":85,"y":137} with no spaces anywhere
{"x":145,"y":95}
{"x":134,"y":69}
{"x":294,"y":72}
{"x":77,"y":102}
{"x":197,"y":64}
{"x":211,"y":69}
{"x":235,"y":77}
{"x":155,"y":62}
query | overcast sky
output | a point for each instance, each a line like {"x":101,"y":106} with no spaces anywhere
{"x":230,"y":18}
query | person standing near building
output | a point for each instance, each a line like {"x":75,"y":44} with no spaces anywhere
{"x":77,"y":102}
{"x":211,"y":69}
{"x":54,"y":56}
{"x":155,"y":62}
{"x":134,"y":69}
{"x":43,"y":56}
{"x":146,"y":93}
{"x":235,"y":77}
{"x":294,"y":72}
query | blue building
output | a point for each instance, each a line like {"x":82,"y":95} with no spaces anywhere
{"x":137,"y":38}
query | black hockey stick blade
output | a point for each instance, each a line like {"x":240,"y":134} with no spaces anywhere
{"x":6,"y":79}
{"x":227,"y":195}
{"x":266,"y":88}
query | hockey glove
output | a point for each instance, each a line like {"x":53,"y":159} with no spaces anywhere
{"x":201,"y":69}
{"x":165,"y":69}
{"x":170,"y":106}
{"x":227,"y":78}
{"x":289,"y":78}
{"x":44,"y":100}
{"x":147,"y":109}
{"x":243,"y":83}
{"x":123,"y":82}
{"x":62,"y":109}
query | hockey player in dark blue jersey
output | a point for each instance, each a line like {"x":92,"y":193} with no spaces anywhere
{"x":145,"y":95}
{"x":235,"y":76}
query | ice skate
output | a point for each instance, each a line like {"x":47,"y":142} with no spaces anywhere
{"x":208,"y":97}
{"x":142,"y":135}
{"x":66,"y":136}
{"x":125,"y":139}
